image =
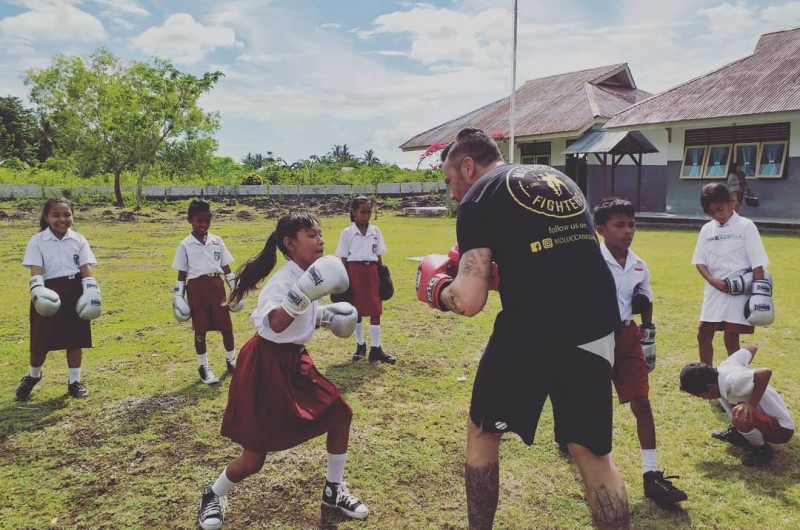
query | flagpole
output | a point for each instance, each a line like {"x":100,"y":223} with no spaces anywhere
{"x":513,"y":87}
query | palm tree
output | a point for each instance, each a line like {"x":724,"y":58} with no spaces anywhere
{"x":341,"y":154}
{"x":370,"y":159}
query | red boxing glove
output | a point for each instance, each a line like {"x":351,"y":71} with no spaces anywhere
{"x":433,"y":275}
{"x":494,"y":279}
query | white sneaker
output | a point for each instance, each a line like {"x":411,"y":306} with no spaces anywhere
{"x":206,"y":375}
{"x":211,"y":512}
{"x":338,"y":496}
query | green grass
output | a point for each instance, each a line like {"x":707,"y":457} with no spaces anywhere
{"x":137,"y":451}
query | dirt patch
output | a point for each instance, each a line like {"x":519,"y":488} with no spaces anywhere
{"x":130,"y":415}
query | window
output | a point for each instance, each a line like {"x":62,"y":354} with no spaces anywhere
{"x":535,"y":153}
{"x":717,"y":163}
{"x":693,"y":158}
{"x":746,"y":155}
{"x":543,"y":160}
{"x":773,"y":156}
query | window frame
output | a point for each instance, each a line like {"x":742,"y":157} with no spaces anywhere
{"x":736,"y":157}
{"x":781,"y":164}
{"x":725,"y":166}
{"x":699,"y":175}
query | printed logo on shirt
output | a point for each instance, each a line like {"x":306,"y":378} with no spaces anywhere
{"x":545,"y":191}
{"x":725,"y":237}
{"x":216,"y":256}
{"x":76,"y":259}
{"x":638,"y":269}
{"x":375,"y":248}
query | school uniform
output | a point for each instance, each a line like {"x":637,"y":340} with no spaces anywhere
{"x":61,"y":261}
{"x":205,"y":288}
{"x":630,"y":368}
{"x":736,"y":385}
{"x":361,"y":251}
{"x":729,"y":249}
{"x":277,"y":398}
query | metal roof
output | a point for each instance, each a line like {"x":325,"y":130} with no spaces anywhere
{"x":564,"y":104}
{"x":616,"y":143}
{"x":767,"y":81}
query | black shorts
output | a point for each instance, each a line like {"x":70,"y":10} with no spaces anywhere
{"x":513,"y":381}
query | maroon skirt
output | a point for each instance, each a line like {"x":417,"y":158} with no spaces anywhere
{"x":64,"y":330}
{"x":364,"y":283}
{"x":205,"y":295}
{"x":278,"y":399}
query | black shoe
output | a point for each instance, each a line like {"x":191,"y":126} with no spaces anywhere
{"x":77,"y":390}
{"x":207,"y":375}
{"x":26,"y":384}
{"x":337,"y":496}
{"x":732,"y":436}
{"x":230,"y":364}
{"x":211,"y":512}
{"x":376,"y":353}
{"x":660,"y":488}
{"x":757,"y":455}
{"x":361,"y":351}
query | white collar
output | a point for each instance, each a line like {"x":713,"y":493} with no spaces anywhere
{"x":48,"y":234}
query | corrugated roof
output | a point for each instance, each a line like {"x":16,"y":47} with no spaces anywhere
{"x":566,"y":103}
{"x":617,"y":143}
{"x":766,"y":81}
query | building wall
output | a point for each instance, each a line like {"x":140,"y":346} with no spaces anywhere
{"x":653,"y":189}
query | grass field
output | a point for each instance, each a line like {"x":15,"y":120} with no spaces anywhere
{"x":136,"y":453}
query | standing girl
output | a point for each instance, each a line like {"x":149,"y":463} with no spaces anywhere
{"x":64,"y":295}
{"x":360,"y":247}
{"x":278,"y":399}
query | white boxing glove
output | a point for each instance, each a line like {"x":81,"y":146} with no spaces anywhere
{"x":325,"y":276}
{"x":740,"y":283}
{"x":759,"y":310}
{"x":89,"y":305}
{"x":340,"y":318}
{"x":230,"y":279}
{"x":46,"y":301}
{"x":180,"y":308}
{"x":649,"y":345}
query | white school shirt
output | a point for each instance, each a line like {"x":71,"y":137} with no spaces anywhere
{"x":729,"y":249}
{"x":199,"y":259}
{"x":355,"y":246}
{"x":627,"y":278}
{"x":58,"y":257}
{"x":299,"y":331}
{"x":736,"y":385}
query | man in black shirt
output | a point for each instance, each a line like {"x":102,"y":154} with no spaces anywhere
{"x":555,"y":334}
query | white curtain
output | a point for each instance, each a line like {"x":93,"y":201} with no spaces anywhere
{"x":771,"y":159}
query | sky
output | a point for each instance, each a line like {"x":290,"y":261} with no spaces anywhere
{"x":301,"y":76}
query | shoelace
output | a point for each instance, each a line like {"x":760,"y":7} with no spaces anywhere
{"x":213,"y":508}
{"x":664,"y":482}
{"x":346,"y":498}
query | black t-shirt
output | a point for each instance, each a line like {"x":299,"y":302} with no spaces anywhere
{"x":555,"y":286}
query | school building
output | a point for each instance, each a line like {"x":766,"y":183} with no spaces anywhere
{"x":658,"y":150}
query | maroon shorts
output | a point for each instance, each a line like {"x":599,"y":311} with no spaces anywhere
{"x":205,"y":295}
{"x":278,"y":399}
{"x":364,"y":283}
{"x":65,"y":329}
{"x":630,"y":369}
{"x":770,"y":429}
{"x":741,"y":329}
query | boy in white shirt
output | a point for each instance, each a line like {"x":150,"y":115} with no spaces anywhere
{"x":757,"y":411}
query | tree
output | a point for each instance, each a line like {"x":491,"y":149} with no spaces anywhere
{"x":341,"y":154}
{"x":254,"y":161}
{"x":18,"y":130}
{"x":370,"y":159}
{"x":124,"y":118}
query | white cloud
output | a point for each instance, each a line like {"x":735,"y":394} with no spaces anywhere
{"x":330,"y":25}
{"x":128,"y":7}
{"x":52,"y":20}
{"x":184,"y":40}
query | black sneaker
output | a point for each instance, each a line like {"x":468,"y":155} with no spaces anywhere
{"x":77,"y":390}
{"x":376,"y":353}
{"x":338,"y":496}
{"x":660,"y":488}
{"x":361,"y":352}
{"x":211,"y":512}
{"x":230,"y":364}
{"x":732,"y":436}
{"x":757,"y":455}
{"x":206,"y":375}
{"x":26,"y":384}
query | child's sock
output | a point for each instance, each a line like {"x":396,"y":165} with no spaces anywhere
{"x":359,"y":333}
{"x":35,"y":372}
{"x":375,"y":336}
{"x":74,"y":374}
{"x":336,"y":467}
{"x":202,"y":359}
{"x":222,"y":485}
{"x":754,"y":437}
{"x":649,"y":460}
{"x":230,"y":355}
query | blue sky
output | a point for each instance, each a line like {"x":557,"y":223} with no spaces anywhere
{"x":304,"y":75}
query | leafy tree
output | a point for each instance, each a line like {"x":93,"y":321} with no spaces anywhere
{"x":254,"y":161}
{"x":341,"y":154}
{"x":124,"y":118}
{"x":18,"y":130}
{"x":369,"y":158}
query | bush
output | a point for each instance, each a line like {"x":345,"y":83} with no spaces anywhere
{"x":252,"y":179}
